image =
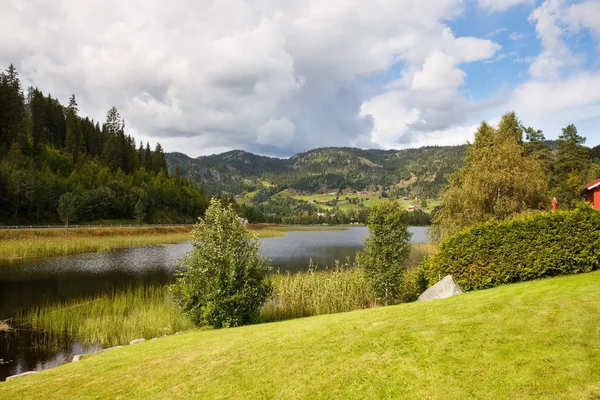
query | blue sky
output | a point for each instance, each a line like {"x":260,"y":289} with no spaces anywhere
{"x":276,"y":78}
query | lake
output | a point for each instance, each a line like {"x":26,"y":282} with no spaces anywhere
{"x":25,"y":283}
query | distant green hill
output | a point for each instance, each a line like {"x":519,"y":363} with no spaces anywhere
{"x":420,"y":172}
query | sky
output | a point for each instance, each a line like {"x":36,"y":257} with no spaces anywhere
{"x":280,"y":77}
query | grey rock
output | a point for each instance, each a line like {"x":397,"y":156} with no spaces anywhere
{"x":445,"y":288}
{"x":136,"y":341}
{"x":77,"y":357}
{"x":21,"y":375}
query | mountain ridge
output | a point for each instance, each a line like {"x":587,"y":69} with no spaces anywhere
{"x":422,"y":170}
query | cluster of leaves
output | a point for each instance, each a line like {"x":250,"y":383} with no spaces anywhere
{"x":48,"y":150}
{"x":223,"y":282}
{"x":528,"y":247}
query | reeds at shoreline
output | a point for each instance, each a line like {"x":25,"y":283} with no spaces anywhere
{"x":110,"y":319}
{"x":147,"y":311}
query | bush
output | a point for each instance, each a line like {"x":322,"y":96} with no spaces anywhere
{"x":413,"y":283}
{"x":386,"y":249}
{"x":223,"y":281}
{"x":525,"y":248}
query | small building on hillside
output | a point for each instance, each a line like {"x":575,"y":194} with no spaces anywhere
{"x":592,"y":193}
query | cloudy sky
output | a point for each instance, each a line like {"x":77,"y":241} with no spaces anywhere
{"x":279,"y":77}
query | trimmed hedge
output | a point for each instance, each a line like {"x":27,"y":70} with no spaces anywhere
{"x":521,"y":249}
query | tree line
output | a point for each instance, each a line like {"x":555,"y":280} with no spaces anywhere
{"x":511,"y":169}
{"x":48,"y":150}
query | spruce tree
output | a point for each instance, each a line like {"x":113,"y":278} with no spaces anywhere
{"x":571,"y":165}
{"x":72,"y":133}
{"x":38,"y":121}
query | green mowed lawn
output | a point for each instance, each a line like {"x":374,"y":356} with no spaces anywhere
{"x":530,"y":340}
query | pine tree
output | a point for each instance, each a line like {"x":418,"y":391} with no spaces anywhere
{"x":112,"y":152}
{"x":159,"y":161}
{"x":148,"y":158}
{"x":572,"y":155}
{"x":38,"y":121}
{"x":12,"y":107}
{"x":572,"y":160}
{"x":72,"y":140}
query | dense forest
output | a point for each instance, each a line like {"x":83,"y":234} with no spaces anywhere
{"x":48,"y":150}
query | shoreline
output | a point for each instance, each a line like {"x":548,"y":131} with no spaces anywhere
{"x":42,"y":243}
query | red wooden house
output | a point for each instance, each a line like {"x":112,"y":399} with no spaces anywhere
{"x":592,"y":193}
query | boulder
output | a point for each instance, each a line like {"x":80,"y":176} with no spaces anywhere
{"x":136,"y":341}
{"x":445,"y":288}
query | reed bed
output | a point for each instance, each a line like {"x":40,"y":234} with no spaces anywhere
{"x":418,"y":253}
{"x":7,"y":234}
{"x":110,"y":319}
{"x":331,"y":290}
{"x":30,"y":247}
{"x":341,"y":288}
{"x":148,"y":311}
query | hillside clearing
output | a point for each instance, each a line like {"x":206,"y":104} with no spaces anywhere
{"x":528,"y":340}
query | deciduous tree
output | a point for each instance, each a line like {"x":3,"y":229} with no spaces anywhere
{"x":499,"y":180}
{"x":386,"y":249}
{"x":223,"y":281}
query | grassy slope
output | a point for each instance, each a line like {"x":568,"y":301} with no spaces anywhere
{"x":530,"y":340}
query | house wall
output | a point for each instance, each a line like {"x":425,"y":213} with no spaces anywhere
{"x":596,"y":200}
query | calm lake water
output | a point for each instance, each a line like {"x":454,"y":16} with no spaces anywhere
{"x":25,"y":283}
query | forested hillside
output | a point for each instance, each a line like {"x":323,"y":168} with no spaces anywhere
{"x":419,"y":172}
{"x":48,"y":149}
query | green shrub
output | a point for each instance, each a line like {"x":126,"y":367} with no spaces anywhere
{"x":413,"y":283}
{"x":386,"y":249}
{"x":223,"y":281}
{"x":528,"y":247}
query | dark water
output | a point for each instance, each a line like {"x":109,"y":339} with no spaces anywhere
{"x":26,"y":283}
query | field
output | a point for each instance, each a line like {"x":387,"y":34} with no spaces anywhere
{"x":366,"y":200}
{"x":529,"y":340}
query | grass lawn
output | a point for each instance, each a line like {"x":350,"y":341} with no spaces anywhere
{"x":530,"y":340}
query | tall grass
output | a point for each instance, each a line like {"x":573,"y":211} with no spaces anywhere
{"x":6,"y":234}
{"x":110,"y":319}
{"x":332,"y":290}
{"x":148,"y":311}
{"x":62,"y":246}
{"x":341,"y":288}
